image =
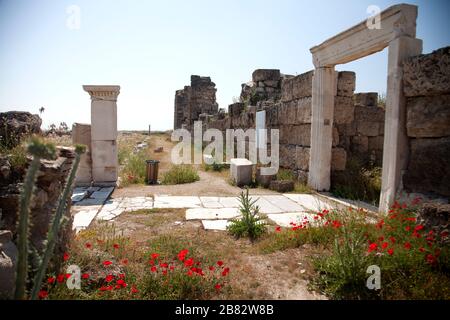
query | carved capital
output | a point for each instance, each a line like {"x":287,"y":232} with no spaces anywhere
{"x":105,"y":93}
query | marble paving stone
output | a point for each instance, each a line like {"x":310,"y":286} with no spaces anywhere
{"x":308,"y":201}
{"x":229,"y":202}
{"x":215,"y":224}
{"x":177,"y":202}
{"x":265,"y":206}
{"x":211,"y":214}
{"x":90,"y":202}
{"x":211,"y":202}
{"x":83,"y":219}
{"x":283,"y":203}
{"x":78,"y":196}
{"x":284,"y":219}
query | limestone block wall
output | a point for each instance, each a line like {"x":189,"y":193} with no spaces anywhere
{"x":81,"y":134}
{"x":427,"y":91}
{"x":194,"y":100}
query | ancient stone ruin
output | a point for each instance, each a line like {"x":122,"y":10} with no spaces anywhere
{"x":99,"y":166}
{"x":323,"y":122}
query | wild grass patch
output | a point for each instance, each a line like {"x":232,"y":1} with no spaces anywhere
{"x":180,"y":174}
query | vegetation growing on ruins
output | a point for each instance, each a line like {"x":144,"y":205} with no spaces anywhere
{"x":179,"y":174}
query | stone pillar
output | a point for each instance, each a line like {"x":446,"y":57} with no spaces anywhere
{"x":323,"y":92}
{"x":81,"y":134}
{"x":104,"y":133}
{"x":396,"y":144}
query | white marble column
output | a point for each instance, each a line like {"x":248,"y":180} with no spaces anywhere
{"x":396,"y":144}
{"x":323,"y":92}
{"x":104,"y":133}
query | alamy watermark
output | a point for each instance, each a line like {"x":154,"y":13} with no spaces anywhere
{"x":374,"y":20}
{"x":236,"y":142}
{"x":73,"y":21}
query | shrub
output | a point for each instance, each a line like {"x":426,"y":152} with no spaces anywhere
{"x":134,"y":170}
{"x":250,"y":224}
{"x":180,"y":174}
{"x":285,"y":174}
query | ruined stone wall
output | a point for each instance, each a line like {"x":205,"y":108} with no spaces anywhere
{"x":194,"y":100}
{"x":50,"y":183}
{"x":427,"y":90}
{"x":358,"y":120}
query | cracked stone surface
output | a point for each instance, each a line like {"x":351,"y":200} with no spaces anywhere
{"x":214,"y":212}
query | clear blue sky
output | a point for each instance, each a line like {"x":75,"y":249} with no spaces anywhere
{"x":150,"y":49}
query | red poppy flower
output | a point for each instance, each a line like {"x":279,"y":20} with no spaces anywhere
{"x":51,"y":280}
{"x":418,"y":227}
{"x":155,"y":255}
{"x":124,"y":262}
{"x":151,"y":262}
{"x":278,"y":229}
{"x":189,"y":273}
{"x":372,"y":247}
{"x":421,"y":249}
{"x":381,"y":239}
{"x":116,"y":246}
{"x":164,"y":272}
{"x":107,"y":263}
{"x":384,"y":245}
{"x":220,"y":263}
{"x":121,"y":283}
{"x":392,"y":239}
{"x":380,"y":224}
{"x":390,"y":252}
{"x":163,"y":265}
{"x":189,"y":262}
{"x":134,"y":289}
{"x":43,"y":294}
{"x":68,"y":275}
{"x":218,"y":286}
{"x":153,"y":269}
{"x":444,"y":234}
{"x":225,"y":271}
{"x":105,"y":288}
{"x":60,"y":278}
{"x":88,"y":245}
{"x":431,"y":259}
{"x":172,"y":268}
{"x":109,"y":278}
{"x":66,"y":256}
{"x":337,"y":224}
{"x":182,"y":254}
{"x":121,"y":275}
{"x":85,"y":276}
{"x":212,"y":268}
{"x":407,"y":245}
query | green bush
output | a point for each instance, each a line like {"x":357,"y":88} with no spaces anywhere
{"x":250,"y":224}
{"x":180,"y":174}
{"x":134,"y":170}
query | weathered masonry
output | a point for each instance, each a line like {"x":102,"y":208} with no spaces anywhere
{"x":100,"y":164}
{"x":323,"y":122}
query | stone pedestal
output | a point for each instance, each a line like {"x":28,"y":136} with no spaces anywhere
{"x":104,"y":133}
{"x":81,"y":134}
{"x":241,"y":171}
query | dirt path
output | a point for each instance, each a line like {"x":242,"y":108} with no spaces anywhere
{"x":210,"y":183}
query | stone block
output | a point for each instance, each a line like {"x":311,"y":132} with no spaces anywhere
{"x":371,"y":114}
{"x":302,"y":85}
{"x":104,"y":161}
{"x":360,"y":144}
{"x":266,"y":74}
{"x":235,"y":109}
{"x":302,"y":158}
{"x":367,"y":128}
{"x":104,"y":120}
{"x":344,"y":110}
{"x":428,"y":117}
{"x":241,"y":171}
{"x":346,"y":83}
{"x":427,"y":74}
{"x":287,"y":156}
{"x":282,"y":185}
{"x":376,"y":143}
{"x":264,"y":180}
{"x":304,"y":111}
{"x":335,"y":141}
{"x":367,"y":99}
{"x":338,"y":159}
{"x":298,"y":135}
{"x":429,"y":167}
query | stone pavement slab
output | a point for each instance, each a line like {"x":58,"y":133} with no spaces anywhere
{"x":215,"y":224}
{"x":177,"y":202}
{"x":265,"y":206}
{"x":211,"y":202}
{"x":211,"y":213}
{"x":284,"y":203}
{"x":284,"y":219}
{"x":83,"y":219}
{"x":308,"y":201}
